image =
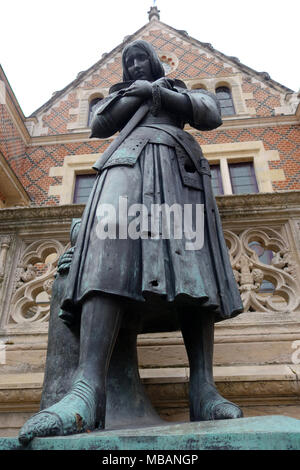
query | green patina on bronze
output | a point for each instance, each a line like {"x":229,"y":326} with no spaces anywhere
{"x":117,"y":287}
{"x":259,"y":433}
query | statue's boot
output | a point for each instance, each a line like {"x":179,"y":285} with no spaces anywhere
{"x":79,"y":411}
{"x":83,"y":407}
{"x":206,"y":403}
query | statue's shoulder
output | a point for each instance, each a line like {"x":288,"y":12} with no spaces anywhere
{"x":119,"y":86}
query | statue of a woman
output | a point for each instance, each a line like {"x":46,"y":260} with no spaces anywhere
{"x":163,"y":279}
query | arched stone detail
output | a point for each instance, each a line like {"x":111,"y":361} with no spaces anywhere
{"x":250,"y":272}
{"x":34,"y":278}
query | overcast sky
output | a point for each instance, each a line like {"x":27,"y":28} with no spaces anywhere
{"x":44,"y":44}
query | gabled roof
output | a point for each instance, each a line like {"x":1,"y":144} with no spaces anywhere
{"x":206,"y":47}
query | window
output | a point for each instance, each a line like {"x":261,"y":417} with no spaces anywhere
{"x":233,"y":178}
{"x":83,"y":187}
{"x":216,"y":180}
{"x":224,"y":97}
{"x":93,"y":105}
{"x":242,"y":178}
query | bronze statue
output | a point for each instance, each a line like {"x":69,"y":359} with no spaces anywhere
{"x":150,"y":282}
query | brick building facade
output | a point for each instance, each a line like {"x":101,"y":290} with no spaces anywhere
{"x":42,"y":156}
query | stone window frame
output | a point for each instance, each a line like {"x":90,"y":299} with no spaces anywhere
{"x":73,"y":165}
{"x":199,"y":86}
{"x":234,"y":83}
{"x":241,"y":152}
{"x":82,"y":112}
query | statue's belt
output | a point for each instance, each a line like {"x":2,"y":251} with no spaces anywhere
{"x":185,"y":147}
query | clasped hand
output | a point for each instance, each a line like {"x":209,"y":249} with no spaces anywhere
{"x":143,"y":88}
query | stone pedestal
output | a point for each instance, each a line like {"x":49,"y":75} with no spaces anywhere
{"x":258,"y":433}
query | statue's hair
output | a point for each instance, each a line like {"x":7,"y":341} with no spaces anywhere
{"x":156,"y":65}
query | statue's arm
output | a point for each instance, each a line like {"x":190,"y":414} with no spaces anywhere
{"x":206,"y":112}
{"x":200,"y":109}
{"x":113,"y":117}
{"x":197,"y":107}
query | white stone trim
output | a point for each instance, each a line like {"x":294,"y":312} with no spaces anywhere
{"x":82,"y":112}
{"x":73,"y":165}
{"x":255,"y":152}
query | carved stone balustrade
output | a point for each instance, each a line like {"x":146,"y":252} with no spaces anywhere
{"x":256,"y":354}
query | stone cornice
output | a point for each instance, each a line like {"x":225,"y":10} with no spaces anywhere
{"x":18,"y":215}
{"x":244,"y":204}
{"x":83,"y":135}
{"x":247,"y":122}
{"x":265,"y":121}
{"x":60,"y":138}
{"x":284,"y":199}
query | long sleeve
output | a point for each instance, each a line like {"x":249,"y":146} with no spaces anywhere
{"x":206,"y":113}
{"x":113,"y":114}
{"x":101,"y":124}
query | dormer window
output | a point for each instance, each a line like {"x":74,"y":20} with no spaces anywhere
{"x":224,"y":97}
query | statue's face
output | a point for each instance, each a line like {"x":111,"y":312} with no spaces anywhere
{"x":138,"y":64}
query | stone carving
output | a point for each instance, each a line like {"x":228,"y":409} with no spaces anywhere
{"x":25,"y":274}
{"x":250,"y":271}
{"x":48,"y":285}
{"x":5,"y":242}
{"x":35,"y":275}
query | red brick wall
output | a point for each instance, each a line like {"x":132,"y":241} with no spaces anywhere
{"x":57,"y":120}
{"x":12,"y":146}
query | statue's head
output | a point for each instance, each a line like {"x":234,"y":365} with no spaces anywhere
{"x":140,"y":62}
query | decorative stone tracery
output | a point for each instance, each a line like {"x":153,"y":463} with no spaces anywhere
{"x":250,"y":271}
{"x":33,"y":282}
{"x":27,"y":269}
